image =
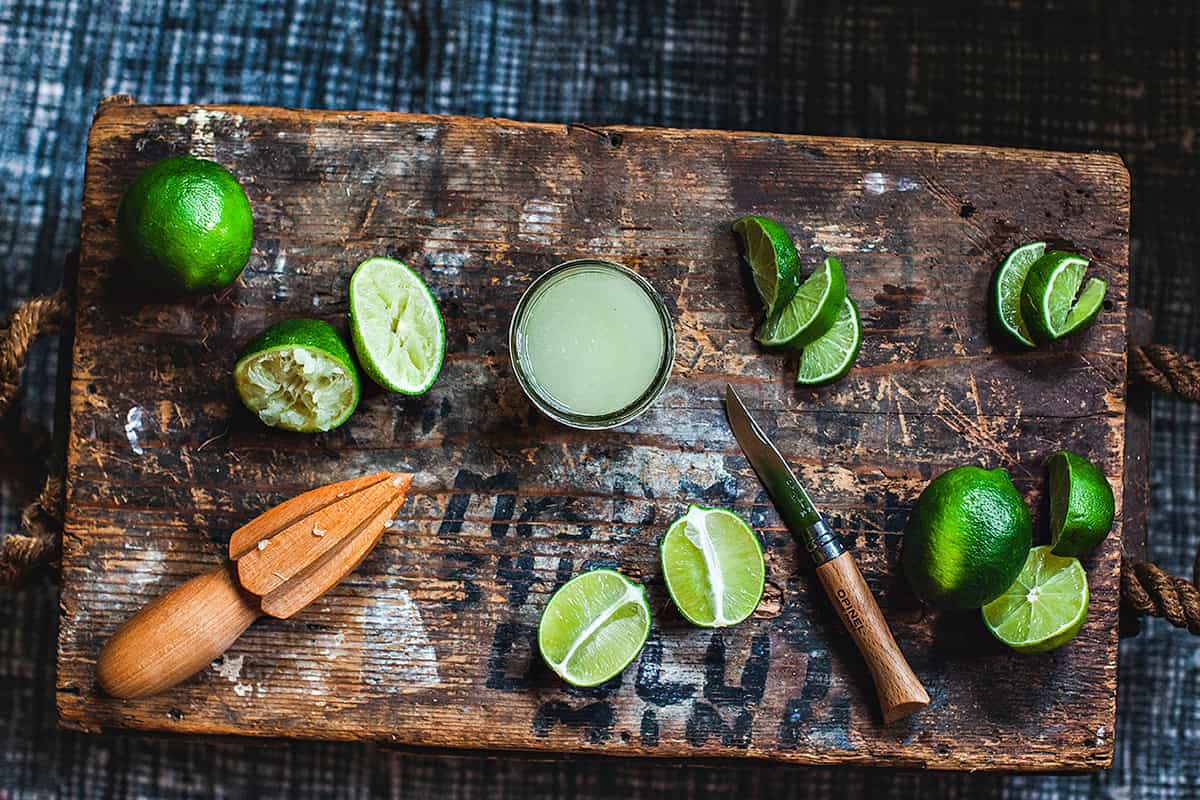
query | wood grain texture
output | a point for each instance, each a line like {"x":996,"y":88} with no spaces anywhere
{"x":430,"y":642}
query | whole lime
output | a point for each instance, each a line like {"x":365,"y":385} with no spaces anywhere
{"x":967,"y":538}
{"x":185,"y":224}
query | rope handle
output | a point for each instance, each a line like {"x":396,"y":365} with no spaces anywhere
{"x":1145,"y":588}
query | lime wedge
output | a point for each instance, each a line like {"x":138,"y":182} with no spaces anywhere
{"x":713,"y":565}
{"x":396,"y":326}
{"x":812,"y":312}
{"x":831,"y":356}
{"x":1006,"y":290}
{"x":772,"y":257}
{"x":1048,"y":303}
{"x":1044,"y":608}
{"x":1082,"y":506}
{"x":298,"y":375}
{"x":593,"y":627}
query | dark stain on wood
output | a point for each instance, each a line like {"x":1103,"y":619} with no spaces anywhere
{"x":432,"y":640}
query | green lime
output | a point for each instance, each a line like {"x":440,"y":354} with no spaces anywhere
{"x":396,"y":326}
{"x":713,"y":565}
{"x":593,"y":627}
{"x":831,"y":356}
{"x":773,"y":261}
{"x":812,"y":312}
{"x":1082,"y":506}
{"x":185,"y":225}
{"x":967,"y":538}
{"x":1048,"y":303}
{"x":1044,"y":608}
{"x":1006,"y":290}
{"x":298,"y":375}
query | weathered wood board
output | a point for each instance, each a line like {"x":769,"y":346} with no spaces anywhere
{"x":429,"y":642}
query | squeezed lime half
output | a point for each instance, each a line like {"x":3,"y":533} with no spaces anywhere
{"x":396,"y":326}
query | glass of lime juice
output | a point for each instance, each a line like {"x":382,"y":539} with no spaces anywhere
{"x":591,"y":343}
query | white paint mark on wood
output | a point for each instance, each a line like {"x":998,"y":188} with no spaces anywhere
{"x":878,"y":183}
{"x":133,"y":428}
{"x":402,"y":657}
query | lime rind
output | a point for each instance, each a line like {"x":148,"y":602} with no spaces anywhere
{"x":812,"y":311}
{"x":396,"y":326}
{"x":771,"y":255}
{"x":1082,"y":505}
{"x":1006,"y":293}
{"x":1048,"y":299}
{"x":593,"y":627}
{"x":713,"y":566}
{"x":1045,"y":606}
{"x":831,"y":356}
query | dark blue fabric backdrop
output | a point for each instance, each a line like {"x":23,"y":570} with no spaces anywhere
{"x":1103,"y":75}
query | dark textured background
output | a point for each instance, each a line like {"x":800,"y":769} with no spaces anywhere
{"x":1122,"y":77}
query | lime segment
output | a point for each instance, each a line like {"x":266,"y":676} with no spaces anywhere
{"x":1044,"y":608}
{"x":1048,"y":303}
{"x":593,"y":627}
{"x":396,"y":326}
{"x":298,"y":375}
{"x":811,"y":313}
{"x":1082,"y":505}
{"x":831,"y":356}
{"x":713,"y":565}
{"x":773,"y":261}
{"x":1006,"y":290}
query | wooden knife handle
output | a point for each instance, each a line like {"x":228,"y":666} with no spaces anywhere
{"x":176,"y":635}
{"x":900,"y":691}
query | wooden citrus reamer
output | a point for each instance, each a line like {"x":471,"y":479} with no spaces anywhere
{"x":279,"y":562}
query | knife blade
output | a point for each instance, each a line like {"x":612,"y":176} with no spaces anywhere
{"x":900,"y":691}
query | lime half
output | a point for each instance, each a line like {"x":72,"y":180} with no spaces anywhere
{"x":1006,"y":291}
{"x":1044,"y":608}
{"x":593,"y":627}
{"x":1082,"y":506}
{"x":396,"y":326}
{"x":713,"y":565}
{"x":812,"y":312}
{"x":773,"y":261}
{"x":831,"y":356}
{"x":1048,"y":303}
{"x":298,"y":375}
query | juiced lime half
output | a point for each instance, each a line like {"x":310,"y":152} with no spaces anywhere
{"x":832,"y":356}
{"x":812,"y":312}
{"x":396,"y":326}
{"x":593,"y":627}
{"x":713,"y":565}
{"x":298,"y":375}
{"x":1006,"y":291}
{"x":773,"y":261}
{"x":1044,"y":608}
{"x":1082,"y":505}
{"x":1048,"y":303}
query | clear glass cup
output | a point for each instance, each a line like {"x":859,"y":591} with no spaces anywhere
{"x":519,"y":338}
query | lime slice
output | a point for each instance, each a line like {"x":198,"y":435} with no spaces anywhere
{"x":772,"y":257}
{"x":831,"y":356}
{"x":812,"y":312}
{"x":396,"y":326}
{"x":1048,"y":303}
{"x":1006,"y":290}
{"x":298,"y":375}
{"x":1044,"y":608}
{"x":593,"y":627}
{"x":713,"y":565}
{"x":1082,"y":506}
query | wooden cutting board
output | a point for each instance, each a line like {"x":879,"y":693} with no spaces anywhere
{"x":430,"y":642}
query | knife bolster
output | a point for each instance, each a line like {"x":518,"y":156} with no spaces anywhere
{"x":822,"y":543}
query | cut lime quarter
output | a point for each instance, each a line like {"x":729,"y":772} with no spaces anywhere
{"x":396,"y":326}
{"x":298,"y":375}
{"x":713,"y":566}
{"x":832,"y":356}
{"x":1006,"y":291}
{"x":773,"y":261}
{"x":1044,"y":608}
{"x":1082,"y":506}
{"x":812,"y":312}
{"x":1048,"y":303}
{"x":593,"y":627}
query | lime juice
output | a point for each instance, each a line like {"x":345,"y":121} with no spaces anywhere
{"x":591,"y":344}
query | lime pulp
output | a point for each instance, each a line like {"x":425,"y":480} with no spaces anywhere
{"x":1006,"y":290}
{"x":713,"y":566}
{"x":1044,"y":608}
